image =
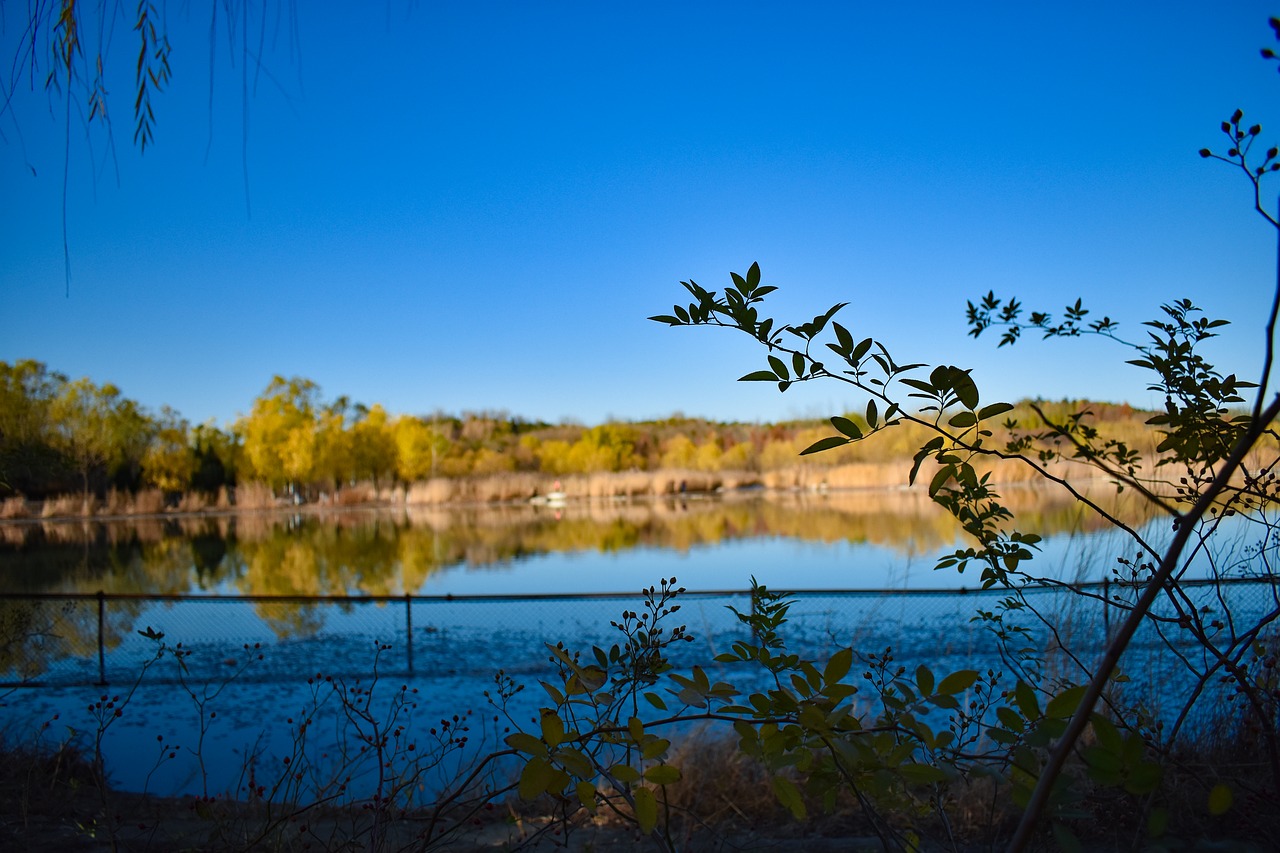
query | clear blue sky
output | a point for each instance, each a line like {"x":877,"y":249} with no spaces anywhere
{"x":475,"y":205}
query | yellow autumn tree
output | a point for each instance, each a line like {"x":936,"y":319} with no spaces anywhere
{"x":373,"y":446}
{"x":419,"y":447}
{"x":170,"y":461}
{"x":280,"y":433}
{"x":334,"y":459}
{"x":679,"y":452}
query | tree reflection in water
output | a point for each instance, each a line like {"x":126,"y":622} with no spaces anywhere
{"x":393,"y":552}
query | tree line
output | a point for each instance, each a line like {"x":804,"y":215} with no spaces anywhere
{"x":61,"y":436}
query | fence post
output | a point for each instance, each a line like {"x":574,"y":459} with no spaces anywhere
{"x":102,"y":660}
{"x":1106,"y":609}
{"x":408,"y":628}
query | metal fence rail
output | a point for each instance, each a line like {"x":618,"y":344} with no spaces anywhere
{"x":70,"y":639}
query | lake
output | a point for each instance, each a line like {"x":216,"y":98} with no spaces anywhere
{"x":251,"y":599}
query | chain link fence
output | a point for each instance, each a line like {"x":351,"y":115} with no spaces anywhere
{"x":70,"y":640}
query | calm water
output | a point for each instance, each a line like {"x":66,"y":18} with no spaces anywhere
{"x":873,"y":539}
{"x":448,"y":650}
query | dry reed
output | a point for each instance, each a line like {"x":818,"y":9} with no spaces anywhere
{"x":68,"y":531}
{"x":115,"y":503}
{"x":15,"y":507}
{"x":15,"y":535}
{"x":524,"y":486}
{"x":193,"y":502}
{"x":254,"y":495}
{"x":354,"y":495}
{"x":148,"y":502}
{"x":63,"y":506}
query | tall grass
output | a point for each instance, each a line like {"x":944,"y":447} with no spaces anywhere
{"x":254,"y":496}
{"x":523,"y":486}
{"x":66,"y":505}
{"x":15,"y":507}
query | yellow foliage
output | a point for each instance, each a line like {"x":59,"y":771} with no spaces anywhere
{"x":279,"y":432}
{"x":708,"y":457}
{"x":740,"y":457}
{"x":679,"y":452}
{"x":488,"y":461}
{"x":169,"y":461}
{"x":417,"y":445}
{"x":553,"y":456}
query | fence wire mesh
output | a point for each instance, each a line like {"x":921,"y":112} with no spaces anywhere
{"x":70,"y":640}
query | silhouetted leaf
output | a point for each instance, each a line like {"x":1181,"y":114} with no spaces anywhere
{"x":586,"y":795}
{"x":1144,"y":778}
{"x":1066,"y":839}
{"x":847,"y":427}
{"x":787,"y":793}
{"x":1024,"y":696}
{"x":921,"y":386}
{"x":844,"y":338}
{"x":993,"y":410}
{"x":924,"y":680}
{"x":839,"y":665}
{"x":1157,"y":822}
{"x":940,"y":479}
{"x":1220,"y":799}
{"x":921,"y":774}
{"x":662,"y":774}
{"x":965,"y":389}
{"x":552,"y":729}
{"x":525,"y":742}
{"x":825,"y":444}
{"x":1065,"y":703}
{"x":535,"y":778}
{"x":646,"y":809}
{"x":625,"y":773}
{"x":958,"y":681}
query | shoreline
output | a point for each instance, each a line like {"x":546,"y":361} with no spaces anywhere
{"x":537,"y":502}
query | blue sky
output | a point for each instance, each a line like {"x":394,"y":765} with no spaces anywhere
{"x":475,"y":205}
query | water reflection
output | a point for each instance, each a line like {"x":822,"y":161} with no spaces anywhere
{"x":394,"y":552}
{"x":851,"y":539}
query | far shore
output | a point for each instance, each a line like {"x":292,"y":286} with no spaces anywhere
{"x":489,"y":491}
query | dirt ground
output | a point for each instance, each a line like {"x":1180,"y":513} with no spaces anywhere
{"x":74,"y":822}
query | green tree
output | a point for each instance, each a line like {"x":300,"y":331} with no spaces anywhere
{"x":373,"y":446}
{"x":132,"y":433}
{"x":170,"y":461}
{"x":334,"y":453}
{"x":29,"y":460}
{"x":86,"y":428}
{"x":217,"y":455}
